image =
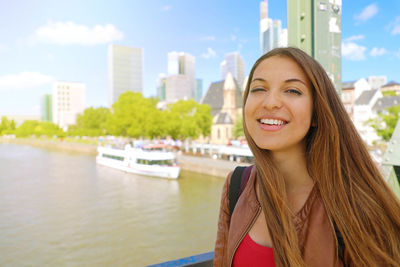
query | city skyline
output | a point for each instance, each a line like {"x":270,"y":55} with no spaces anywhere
{"x":67,"y":41}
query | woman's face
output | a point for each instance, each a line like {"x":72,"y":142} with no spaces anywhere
{"x":279,"y":106}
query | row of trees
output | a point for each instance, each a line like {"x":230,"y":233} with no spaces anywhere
{"x":131,"y":116}
{"x":136,"y":116}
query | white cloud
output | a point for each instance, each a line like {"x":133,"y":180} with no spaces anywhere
{"x":67,"y":33}
{"x":233,"y":37}
{"x":167,"y":8}
{"x":354,"y":38}
{"x":210,"y":53}
{"x":353,"y":51}
{"x":367,"y":13}
{"x":208,"y":38}
{"x":377,"y":51}
{"x":24,"y":80}
{"x":396,"y":30}
{"x":397,"y":53}
{"x":394,"y":26}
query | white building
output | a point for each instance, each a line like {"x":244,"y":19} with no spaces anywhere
{"x":68,"y":101}
{"x":363,"y":111}
{"x":233,"y":64}
{"x":180,"y":83}
{"x":271,"y":33}
{"x":377,"y":81}
{"x":361,"y":86}
{"x":125,"y":70}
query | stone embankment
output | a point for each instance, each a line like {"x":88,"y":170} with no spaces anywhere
{"x":199,"y":164}
{"x":55,"y":144}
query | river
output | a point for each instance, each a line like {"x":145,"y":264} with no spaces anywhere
{"x":62,"y":209}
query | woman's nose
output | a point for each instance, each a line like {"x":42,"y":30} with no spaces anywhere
{"x":272,"y":100}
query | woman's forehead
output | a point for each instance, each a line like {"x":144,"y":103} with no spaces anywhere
{"x":279,"y":67}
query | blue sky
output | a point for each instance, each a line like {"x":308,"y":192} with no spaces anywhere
{"x":44,"y":41}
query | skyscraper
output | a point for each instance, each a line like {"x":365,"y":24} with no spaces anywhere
{"x":234,"y":64}
{"x":125,"y":70}
{"x":198,"y":94}
{"x":46,"y":108}
{"x":178,"y":87}
{"x":271,"y":33}
{"x":68,"y":101}
{"x":180,"y":83}
{"x":161,"y":83}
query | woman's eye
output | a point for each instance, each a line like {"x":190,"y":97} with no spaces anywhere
{"x":257,"y":89}
{"x":294,"y":91}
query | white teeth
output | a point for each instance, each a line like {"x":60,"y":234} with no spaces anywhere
{"x":271,"y":122}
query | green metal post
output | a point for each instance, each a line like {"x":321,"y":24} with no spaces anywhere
{"x":300,"y":24}
{"x":315,"y":27}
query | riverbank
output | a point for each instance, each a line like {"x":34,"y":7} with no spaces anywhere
{"x":199,"y":164}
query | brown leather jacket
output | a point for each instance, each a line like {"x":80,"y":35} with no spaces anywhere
{"x":316,"y":235}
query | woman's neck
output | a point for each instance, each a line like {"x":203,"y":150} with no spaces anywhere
{"x":293,"y":166}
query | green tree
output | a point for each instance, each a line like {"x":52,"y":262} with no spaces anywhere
{"x":91,"y":123}
{"x":135,"y":116}
{"x":33,"y":127}
{"x":238,"y":127}
{"x":385,"y":123}
{"x":389,"y":93}
{"x":188,"y":119}
{"x":7,"y":126}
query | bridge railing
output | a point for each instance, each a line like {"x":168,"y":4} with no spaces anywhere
{"x":199,"y":260}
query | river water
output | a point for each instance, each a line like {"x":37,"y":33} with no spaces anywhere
{"x":62,"y":209}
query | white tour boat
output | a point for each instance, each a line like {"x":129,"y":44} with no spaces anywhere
{"x":152,"y":160}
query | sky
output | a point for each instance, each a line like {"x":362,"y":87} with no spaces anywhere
{"x":44,"y":41}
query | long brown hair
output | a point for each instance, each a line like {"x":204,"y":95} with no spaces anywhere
{"x":356,"y":198}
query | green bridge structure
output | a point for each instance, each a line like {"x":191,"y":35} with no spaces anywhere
{"x":391,"y":161}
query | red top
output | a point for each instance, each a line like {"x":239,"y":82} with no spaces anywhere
{"x":251,"y":254}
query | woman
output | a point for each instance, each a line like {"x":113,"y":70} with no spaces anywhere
{"x":313,"y":183}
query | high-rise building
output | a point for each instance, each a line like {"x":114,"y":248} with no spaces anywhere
{"x":181,"y":63}
{"x":46,"y":108}
{"x":198,"y":93}
{"x":234,"y":64}
{"x":68,"y":101}
{"x":178,"y":87}
{"x":161,"y":86}
{"x":180,"y":83}
{"x":271,"y":33}
{"x":125,"y":70}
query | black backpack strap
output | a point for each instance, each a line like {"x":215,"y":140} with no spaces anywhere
{"x":234,"y":187}
{"x":245,"y":178}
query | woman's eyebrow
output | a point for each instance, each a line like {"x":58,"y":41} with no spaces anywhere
{"x":295,"y":80}
{"x":286,"y":81}
{"x":259,"y":79}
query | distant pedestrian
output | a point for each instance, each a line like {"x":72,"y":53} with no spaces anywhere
{"x":314,"y":196}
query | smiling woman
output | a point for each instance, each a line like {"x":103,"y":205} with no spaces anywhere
{"x":314,"y":191}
